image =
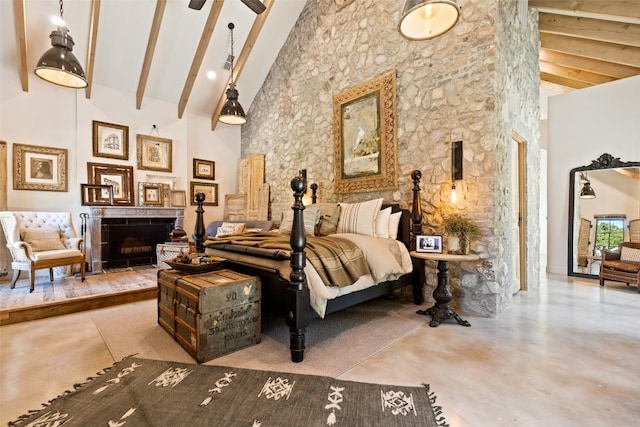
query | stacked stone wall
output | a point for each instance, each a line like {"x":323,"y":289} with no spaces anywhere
{"x":447,"y":89}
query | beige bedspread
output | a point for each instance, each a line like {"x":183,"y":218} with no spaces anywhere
{"x":337,"y":261}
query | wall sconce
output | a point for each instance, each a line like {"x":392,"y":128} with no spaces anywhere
{"x":456,"y":168}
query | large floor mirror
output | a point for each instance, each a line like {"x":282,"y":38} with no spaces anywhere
{"x":604,"y":209}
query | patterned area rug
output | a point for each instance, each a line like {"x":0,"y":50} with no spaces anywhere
{"x":143,"y":392}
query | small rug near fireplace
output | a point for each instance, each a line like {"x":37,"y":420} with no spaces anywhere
{"x":143,"y":392}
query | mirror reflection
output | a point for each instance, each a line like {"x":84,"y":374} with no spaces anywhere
{"x":604,"y":210}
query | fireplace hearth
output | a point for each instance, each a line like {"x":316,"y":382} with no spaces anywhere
{"x":126,"y":237}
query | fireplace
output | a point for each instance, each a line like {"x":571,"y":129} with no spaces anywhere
{"x":123,"y":237}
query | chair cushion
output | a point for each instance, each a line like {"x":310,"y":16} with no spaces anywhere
{"x":629,"y":254}
{"x":43,"y":239}
{"x":627,"y":266}
{"x":58,"y":254}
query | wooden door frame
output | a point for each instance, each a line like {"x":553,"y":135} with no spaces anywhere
{"x":522,"y":207}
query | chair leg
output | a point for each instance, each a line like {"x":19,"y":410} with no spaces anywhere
{"x":16,"y":275}
{"x":82,"y":270}
{"x":601,"y":281}
{"x":32,"y":278}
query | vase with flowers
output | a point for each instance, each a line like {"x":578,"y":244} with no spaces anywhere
{"x":463,"y":229}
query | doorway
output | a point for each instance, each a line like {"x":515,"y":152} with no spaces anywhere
{"x":519,"y":211}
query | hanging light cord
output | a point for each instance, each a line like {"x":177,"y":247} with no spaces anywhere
{"x":231,"y":26}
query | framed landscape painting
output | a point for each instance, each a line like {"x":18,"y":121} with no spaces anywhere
{"x":364,"y":136}
{"x":39,"y":168}
{"x":120,"y":177}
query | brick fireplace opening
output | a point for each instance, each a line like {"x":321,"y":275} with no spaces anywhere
{"x":123,"y":237}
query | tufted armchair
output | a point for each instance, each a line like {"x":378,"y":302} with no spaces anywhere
{"x":39,"y":240}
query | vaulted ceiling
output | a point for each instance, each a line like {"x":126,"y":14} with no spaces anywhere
{"x":162,"y":49}
{"x":585,"y":43}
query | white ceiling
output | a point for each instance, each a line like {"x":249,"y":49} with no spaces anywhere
{"x":123,"y":34}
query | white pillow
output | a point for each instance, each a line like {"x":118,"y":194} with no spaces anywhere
{"x":629,"y":254}
{"x":310,"y":216}
{"x":228,"y":228}
{"x":382,"y":223}
{"x":394,"y":223}
{"x":359,"y":218}
{"x":43,"y":239}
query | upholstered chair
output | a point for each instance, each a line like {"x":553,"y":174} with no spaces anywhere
{"x":39,"y":240}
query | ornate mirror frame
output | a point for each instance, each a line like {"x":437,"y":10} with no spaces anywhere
{"x":605,"y":161}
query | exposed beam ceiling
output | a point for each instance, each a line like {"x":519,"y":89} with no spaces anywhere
{"x":584,"y":43}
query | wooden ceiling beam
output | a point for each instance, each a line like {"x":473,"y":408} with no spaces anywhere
{"x":588,"y":64}
{"x":620,"y":54}
{"x":91,"y":48}
{"x":574,"y":73}
{"x":20,"y":20}
{"x":621,"y":8}
{"x":588,"y":28}
{"x":151,"y":47}
{"x":205,"y":38}
{"x":242,"y":58}
{"x":563,"y":81}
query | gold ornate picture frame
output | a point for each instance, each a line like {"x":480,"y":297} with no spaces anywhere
{"x":39,"y":168}
{"x":204,"y":169}
{"x":152,"y":194}
{"x":365,"y":147}
{"x":210,"y":191}
{"x":110,"y":140}
{"x":154,"y":153}
{"x":120,"y":177}
{"x":96,"y":195}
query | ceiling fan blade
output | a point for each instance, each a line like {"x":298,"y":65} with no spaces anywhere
{"x":196,"y":4}
{"x":255,"y":5}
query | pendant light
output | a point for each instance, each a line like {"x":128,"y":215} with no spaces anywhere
{"x":426,"y":19}
{"x":232,"y":112}
{"x":59,"y":65}
{"x":587,"y":191}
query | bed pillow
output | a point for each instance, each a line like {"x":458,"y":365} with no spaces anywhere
{"x":382,"y":223}
{"x":328,"y":221}
{"x":228,"y":228}
{"x":394,"y":223}
{"x":629,"y":254}
{"x":43,"y":239}
{"x":310,"y":215}
{"x":359,"y":218}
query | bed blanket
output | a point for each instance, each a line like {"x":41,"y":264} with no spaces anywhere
{"x":339,"y":262}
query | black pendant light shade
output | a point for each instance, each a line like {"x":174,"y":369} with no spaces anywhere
{"x":426,"y":19}
{"x":587,"y":191}
{"x":232,"y":112}
{"x":59,"y":65}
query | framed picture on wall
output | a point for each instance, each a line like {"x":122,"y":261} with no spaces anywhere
{"x":154,"y":153}
{"x":39,"y":168}
{"x":178,"y":198}
{"x":204,"y":169}
{"x":152,"y":193}
{"x":120,"y":177}
{"x":110,"y":140}
{"x":365,"y":148}
{"x":210,"y":191}
{"x":96,"y":195}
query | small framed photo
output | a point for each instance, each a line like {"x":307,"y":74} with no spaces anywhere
{"x":210,"y":191}
{"x":154,"y":153}
{"x":96,"y":195}
{"x":110,"y":140}
{"x":204,"y":169}
{"x":39,"y":168}
{"x":120,"y":177}
{"x":432,"y":244}
{"x":178,"y":198}
{"x":153,"y":194}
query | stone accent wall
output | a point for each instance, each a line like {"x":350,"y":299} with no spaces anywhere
{"x":477,"y":83}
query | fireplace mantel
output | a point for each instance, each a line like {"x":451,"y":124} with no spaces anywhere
{"x":97,"y":214}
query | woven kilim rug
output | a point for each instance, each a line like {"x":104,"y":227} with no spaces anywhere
{"x":142,"y":392}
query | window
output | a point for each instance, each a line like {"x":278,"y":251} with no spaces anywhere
{"x":609,"y":232}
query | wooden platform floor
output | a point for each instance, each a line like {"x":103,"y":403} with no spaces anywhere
{"x":70,"y":294}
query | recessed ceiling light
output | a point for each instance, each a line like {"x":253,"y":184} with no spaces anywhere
{"x":211,"y":75}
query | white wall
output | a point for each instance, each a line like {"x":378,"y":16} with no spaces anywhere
{"x":54,"y":116}
{"x":583,"y":125}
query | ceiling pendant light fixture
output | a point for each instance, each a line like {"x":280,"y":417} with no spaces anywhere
{"x":232,"y":112}
{"x":587,"y":191}
{"x":426,"y":19}
{"x":59,"y":65}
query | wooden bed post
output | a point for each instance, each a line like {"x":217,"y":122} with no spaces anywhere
{"x":416,"y":229}
{"x":297,"y":294}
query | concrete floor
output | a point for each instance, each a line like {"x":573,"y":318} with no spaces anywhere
{"x":565,"y":354}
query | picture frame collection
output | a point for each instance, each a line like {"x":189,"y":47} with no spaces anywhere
{"x":40,"y":168}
